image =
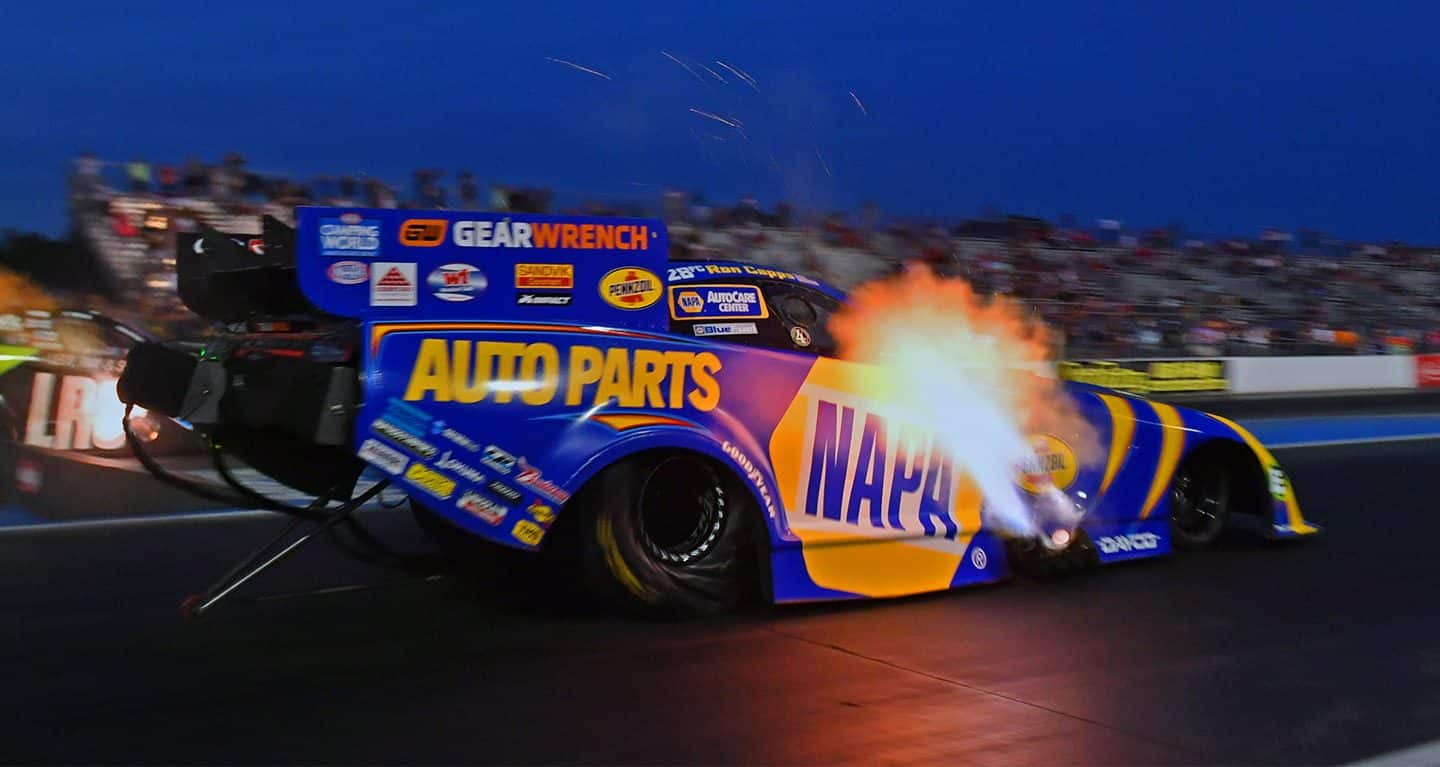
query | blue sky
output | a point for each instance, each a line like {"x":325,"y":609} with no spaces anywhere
{"x":1225,"y":116}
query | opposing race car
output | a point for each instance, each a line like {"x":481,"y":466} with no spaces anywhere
{"x":688,"y":422}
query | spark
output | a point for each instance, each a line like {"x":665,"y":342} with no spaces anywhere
{"x":712,"y":72}
{"x":686,"y":67}
{"x":573,"y":65}
{"x":736,"y":124}
{"x":740,"y":73}
{"x":863,"y":111}
{"x":823,"y":164}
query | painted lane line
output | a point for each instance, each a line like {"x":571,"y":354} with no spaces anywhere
{"x":1354,"y":441}
{"x":157,"y":519}
{"x":1423,"y":755}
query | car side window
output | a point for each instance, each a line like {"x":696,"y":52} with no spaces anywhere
{"x":805,"y":317}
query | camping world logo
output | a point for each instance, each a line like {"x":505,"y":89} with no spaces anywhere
{"x":690,"y":302}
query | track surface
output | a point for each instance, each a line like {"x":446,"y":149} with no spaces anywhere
{"x":1320,"y":652}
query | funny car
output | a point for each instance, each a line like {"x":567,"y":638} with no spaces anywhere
{"x":688,"y":423}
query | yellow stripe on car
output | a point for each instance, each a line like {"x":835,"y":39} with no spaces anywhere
{"x":1122,"y":431}
{"x":1172,"y":437}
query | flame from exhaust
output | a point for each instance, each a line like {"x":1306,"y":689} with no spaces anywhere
{"x":976,"y":373}
{"x":18,"y":293}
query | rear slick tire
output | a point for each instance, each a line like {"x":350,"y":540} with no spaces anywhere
{"x":1200,"y":501}
{"x":662,"y":534}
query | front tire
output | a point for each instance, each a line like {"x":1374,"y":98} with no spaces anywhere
{"x":663,"y":534}
{"x":1200,"y":501}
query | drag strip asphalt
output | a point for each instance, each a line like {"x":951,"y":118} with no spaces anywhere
{"x":1316,"y":652}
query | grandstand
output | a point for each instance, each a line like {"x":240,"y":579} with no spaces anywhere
{"x":1108,"y":293}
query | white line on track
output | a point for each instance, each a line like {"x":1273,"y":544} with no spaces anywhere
{"x":1423,"y":755}
{"x":158,"y":519}
{"x":1353,"y":441}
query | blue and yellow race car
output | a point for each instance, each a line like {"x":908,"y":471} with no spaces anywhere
{"x":689,"y":423}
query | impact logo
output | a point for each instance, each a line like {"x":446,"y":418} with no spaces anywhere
{"x":422,"y":232}
{"x":630,"y":287}
{"x":860,"y":468}
{"x":456,"y":282}
{"x":349,"y":236}
{"x":1053,"y":457}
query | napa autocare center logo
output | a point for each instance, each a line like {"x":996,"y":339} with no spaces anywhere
{"x":349,"y":235}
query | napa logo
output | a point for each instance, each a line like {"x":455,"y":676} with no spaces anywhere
{"x":690,"y":302}
{"x":1052,"y":459}
{"x":863,"y":468}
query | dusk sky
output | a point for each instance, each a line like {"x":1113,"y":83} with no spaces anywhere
{"x":1227,"y":117}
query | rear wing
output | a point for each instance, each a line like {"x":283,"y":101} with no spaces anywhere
{"x":230,"y":277}
{"x":405,"y":265}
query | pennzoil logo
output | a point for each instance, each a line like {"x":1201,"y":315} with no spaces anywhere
{"x":1053,"y":458}
{"x":422,"y":232}
{"x":630,"y":287}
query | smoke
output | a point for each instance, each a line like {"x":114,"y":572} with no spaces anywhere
{"x":975,"y":372}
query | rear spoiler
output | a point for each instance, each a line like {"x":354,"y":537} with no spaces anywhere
{"x":227,"y":277}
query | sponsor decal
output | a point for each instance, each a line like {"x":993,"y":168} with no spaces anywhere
{"x":456,"y":282}
{"x":459,"y":371}
{"x":862,"y":468}
{"x":498,"y":459}
{"x":1427,"y":370}
{"x":700,"y":271}
{"x":403,"y":438}
{"x":1114,"y":544}
{"x":348,"y":272}
{"x":460,"y":468}
{"x":978,"y":558}
{"x":1279,"y":485}
{"x":432,"y":482}
{"x":630,"y":287}
{"x":550,"y":236}
{"x":724,"y":329}
{"x":752,"y":473}
{"x":393,"y":284}
{"x":543,"y":299}
{"x":545,"y":276}
{"x":406,"y":416}
{"x":706,"y":302}
{"x":440,"y":429}
{"x":800,"y":336}
{"x":530,"y":477}
{"x":477,"y":505}
{"x":541,"y":511}
{"x":349,"y":235}
{"x":74,"y":412}
{"x":29,"y":477}
{"x":528,"y":532}
{"x":1143,"y":377}
{"x":502,"y":490}
{"x":1053,"y":458}
{"x":383,"y":456}
{"x":422,"y":232}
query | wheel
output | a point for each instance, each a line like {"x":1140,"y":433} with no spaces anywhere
{"x":1200,"y":499}
{"x":663,"y":534}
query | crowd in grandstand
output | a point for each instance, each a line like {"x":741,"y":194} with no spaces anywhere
{"x":1106,"y":292}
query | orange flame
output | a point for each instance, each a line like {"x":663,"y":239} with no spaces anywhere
{"x":17,"y":293}
{"x":977,"y":371}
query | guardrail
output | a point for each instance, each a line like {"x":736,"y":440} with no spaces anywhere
{"x":1258,"y":375}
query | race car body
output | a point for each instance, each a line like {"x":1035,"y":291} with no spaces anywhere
{"x":692,"y":421}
